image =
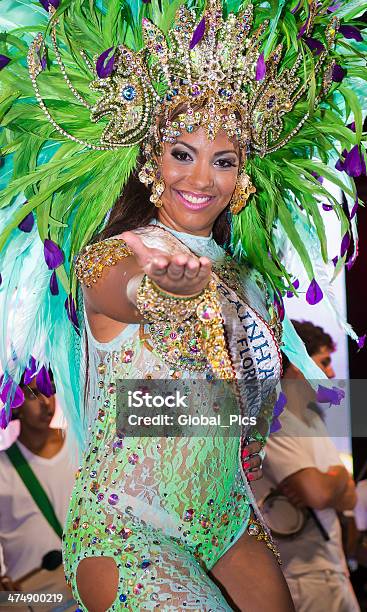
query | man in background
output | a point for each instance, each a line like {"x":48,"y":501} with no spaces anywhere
{"x":27,"y":539}
{"x":303,"y":464}
{"x":319,"y":345}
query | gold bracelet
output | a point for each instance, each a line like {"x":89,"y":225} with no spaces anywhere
{"x":154,"y":304}
{"x":174,"y":295}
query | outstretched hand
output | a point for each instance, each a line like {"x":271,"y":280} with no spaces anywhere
{"x":180,"y":274}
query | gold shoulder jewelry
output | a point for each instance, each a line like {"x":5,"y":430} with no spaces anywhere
{"x":90,"y":264}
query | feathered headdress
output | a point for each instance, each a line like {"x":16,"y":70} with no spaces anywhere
{"x":80,"y":92}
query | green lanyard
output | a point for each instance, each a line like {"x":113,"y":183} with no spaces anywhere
{"x":34,"y":487}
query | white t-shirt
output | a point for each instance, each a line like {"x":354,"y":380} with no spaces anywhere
{"x":360,"y":511}
{"x":304,"y":444}
{"x":25,"y":534}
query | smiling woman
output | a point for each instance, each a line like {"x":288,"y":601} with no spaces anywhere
{"x":182,"y":147}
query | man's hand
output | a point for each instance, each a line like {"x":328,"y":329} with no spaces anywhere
{"x":293,"y":495}
{"x":6,"y":584}
{"x":180,"y":274}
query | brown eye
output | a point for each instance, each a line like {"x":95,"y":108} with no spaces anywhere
{"x":226,"y":163}
{"x":181,"y":155}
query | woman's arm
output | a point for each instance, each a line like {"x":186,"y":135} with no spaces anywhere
{"x":110,"y":300}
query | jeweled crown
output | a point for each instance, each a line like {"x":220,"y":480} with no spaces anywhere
{"x":209,"y":67}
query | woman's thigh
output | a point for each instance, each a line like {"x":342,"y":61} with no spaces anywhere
{"x":251,"y":578}
{"x":172,"y":581}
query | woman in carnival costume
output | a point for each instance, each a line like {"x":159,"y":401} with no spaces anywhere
{"x":159,"y":159}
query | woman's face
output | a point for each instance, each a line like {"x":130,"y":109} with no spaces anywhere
{"x":200,"y":176}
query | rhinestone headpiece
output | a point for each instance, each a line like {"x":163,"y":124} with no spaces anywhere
{"x":210,"y":67}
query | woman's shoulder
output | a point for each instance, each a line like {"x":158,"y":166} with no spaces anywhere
{"x":92,"y":260}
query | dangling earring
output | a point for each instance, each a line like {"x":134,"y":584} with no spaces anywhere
{"x":244,"y":188}
{"x":150,"y":175}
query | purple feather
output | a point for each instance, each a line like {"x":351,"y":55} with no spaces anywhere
{"x":352,"y":126}
{"x":4,"y":419}
{"x":4,"y":61}
{"x":30,"y":371}
{"x":43,"y":382}
{"x":47,"y":3}
{"x":295,"y":9}
{"x":338,"y":73}
{"x":275,"y":426}
{"x":260,"y":68}
{"x":104,"y":69}
{"x":54,"y":256}
{"x":314,"y":294}
{"x":351,"y":32}
{"x":198,"y":34}
{"x":334,"y":7}
{"x":71,"y":311}
{"x":43,"y":61}
{"x":327,"y":207}
{"x":335,"y":260}
{"x":340,"y":163}
{"x":319,"y":178}
{"x":11,"y":391}
{"x":278,"y":409}
{"x":303,"y":29}
{"x":280,"y":404}
{"x":344,"y":245}
{"x":54,"y":287}
{"x":361,"y":341}
{"x":314,"y":45}
{"x":1,"y":280}
{"x":295,"y":284}
{"x":279,"y":304}
{"x":354,"y":164}
{"x":27,"y":224}
{"x":329,"y":396}
{"x":353,"y":212}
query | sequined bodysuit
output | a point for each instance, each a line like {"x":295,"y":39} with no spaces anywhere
{"x":166,"y":509}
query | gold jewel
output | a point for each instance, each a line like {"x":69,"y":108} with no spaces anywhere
{"x":151,"y":175}
{"x":257,"y":530}
{"x":243,"y":190}
{"x":202,"y":312}
{"x":212,"y":72}
{"x":158,"y":188}
{"x":90,"y":264}
{"x":155,"y":304}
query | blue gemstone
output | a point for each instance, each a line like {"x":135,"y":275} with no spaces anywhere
{"x":145,"y":564}
{"x":189,"y":128}
{"x":128,"y":92}
{"x":123,"y":597}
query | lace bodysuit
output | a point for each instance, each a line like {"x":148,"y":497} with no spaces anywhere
{"x":167,"y":508}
